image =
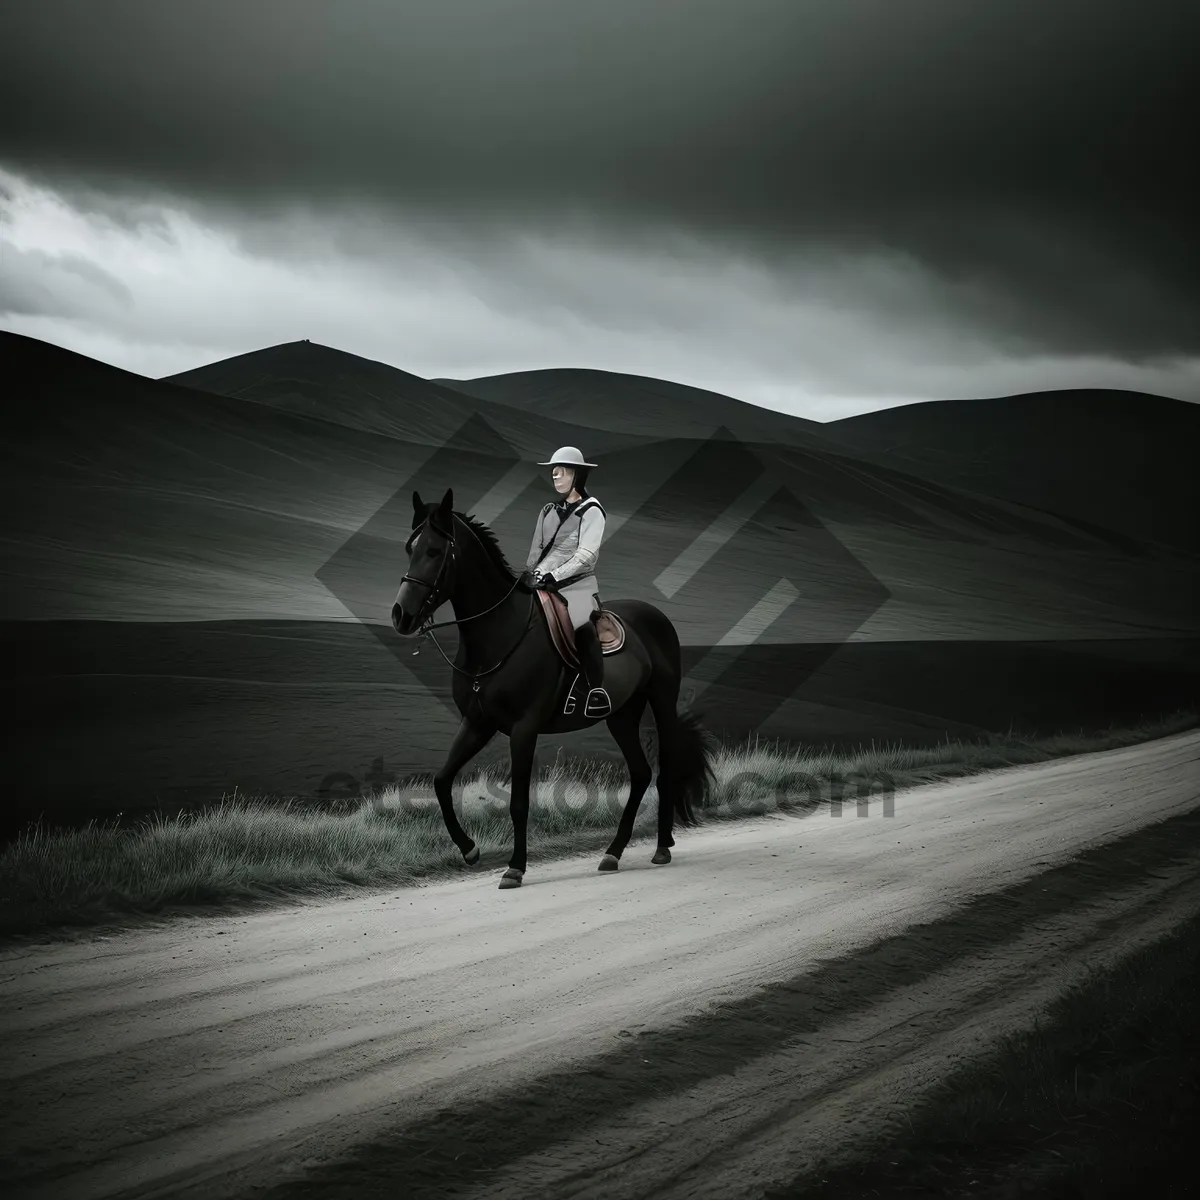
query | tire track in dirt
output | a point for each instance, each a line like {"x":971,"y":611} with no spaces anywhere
{"x":828,"y":1095}
{"x":1080,"y":908}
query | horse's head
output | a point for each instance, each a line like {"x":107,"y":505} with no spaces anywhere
{"x":429,"y":580}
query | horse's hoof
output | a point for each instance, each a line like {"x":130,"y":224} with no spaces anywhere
{"x":511,"y":878}
{"x":609,"y":862}
{"x":471,"y":858}
{"x":661,"y":855}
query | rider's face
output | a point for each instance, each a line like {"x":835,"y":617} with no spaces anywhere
{"x":563,"y":478}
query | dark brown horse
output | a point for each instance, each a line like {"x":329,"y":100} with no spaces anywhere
{"x":508,"y":678}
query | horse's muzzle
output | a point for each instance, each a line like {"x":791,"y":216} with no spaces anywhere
{"x":402,"y":622}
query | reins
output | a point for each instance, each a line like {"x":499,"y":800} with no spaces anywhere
{"x":426,"y":628}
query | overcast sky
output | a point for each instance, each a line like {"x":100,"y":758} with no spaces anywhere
{"x":823,"y":206}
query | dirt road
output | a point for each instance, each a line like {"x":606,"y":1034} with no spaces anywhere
{"x":782,"y":989}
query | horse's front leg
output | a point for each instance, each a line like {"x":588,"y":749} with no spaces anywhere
{"x":522,"y":744}
{"x":468,"y":741}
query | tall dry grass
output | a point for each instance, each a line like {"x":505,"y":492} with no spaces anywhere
{"x":248,"y":850}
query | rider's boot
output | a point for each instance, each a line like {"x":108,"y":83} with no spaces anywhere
{"x":591,"y":657}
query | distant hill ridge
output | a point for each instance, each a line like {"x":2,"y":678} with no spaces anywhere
{"x":612,"y":398}
{"x":1118,"y":459}
{"x":310,"y":378}
{"x":298,"y":358}
{"x":38,"y":371}
{"x":136,"y":499}
{"x":1102,"y":460}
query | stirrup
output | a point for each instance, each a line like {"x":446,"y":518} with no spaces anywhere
{"x":569,"y":707}
{"x":597,"y":704}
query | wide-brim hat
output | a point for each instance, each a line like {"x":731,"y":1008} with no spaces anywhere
{"x":566,"y":456}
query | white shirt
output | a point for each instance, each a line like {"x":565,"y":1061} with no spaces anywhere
{"x":576,"y":542}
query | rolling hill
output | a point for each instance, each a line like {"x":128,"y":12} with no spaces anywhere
{"x":309,"y":379}
{"x":1121,"y":461}
{"x":144,"y":500}
{"x":613,"y":401}
{"x":1115,"y":465}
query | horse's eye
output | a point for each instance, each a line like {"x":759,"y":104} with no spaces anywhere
{"x":434,"y":551}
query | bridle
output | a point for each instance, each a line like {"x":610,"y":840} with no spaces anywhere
{"x":436,"y":599}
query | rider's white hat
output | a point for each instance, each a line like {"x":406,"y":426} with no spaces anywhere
{"x":566,"y":456}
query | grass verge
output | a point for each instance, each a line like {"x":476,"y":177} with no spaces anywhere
{"x":248,"y":851}
{"x":1096,"y":1101}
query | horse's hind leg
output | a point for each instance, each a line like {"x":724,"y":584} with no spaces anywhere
{"x":664,"y":701}
{"x":468,"y":741}
{"x":624,"y":726}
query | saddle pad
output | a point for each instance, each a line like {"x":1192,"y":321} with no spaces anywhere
{"x":611,"y":631}
{"x":562,"y":633}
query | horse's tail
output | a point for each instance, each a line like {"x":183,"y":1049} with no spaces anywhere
{"x":686,"y":750}
{"x":689,"y":749}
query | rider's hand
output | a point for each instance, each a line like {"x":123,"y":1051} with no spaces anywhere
{"x":548,"y":582}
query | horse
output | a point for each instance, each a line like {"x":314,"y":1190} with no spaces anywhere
{"x":509,"y":678}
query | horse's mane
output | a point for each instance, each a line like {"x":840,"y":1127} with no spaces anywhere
{"x":487,"y":539}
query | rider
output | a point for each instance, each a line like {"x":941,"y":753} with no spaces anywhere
{"x":566,"y":545}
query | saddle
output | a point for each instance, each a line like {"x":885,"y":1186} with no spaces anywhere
{"x":609,"y":628}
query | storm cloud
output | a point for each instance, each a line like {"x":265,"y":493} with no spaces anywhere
{"x":998,"y":186}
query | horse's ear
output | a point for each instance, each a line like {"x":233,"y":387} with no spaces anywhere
{"x":447,"y":504}
{"x":418,"y":504}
